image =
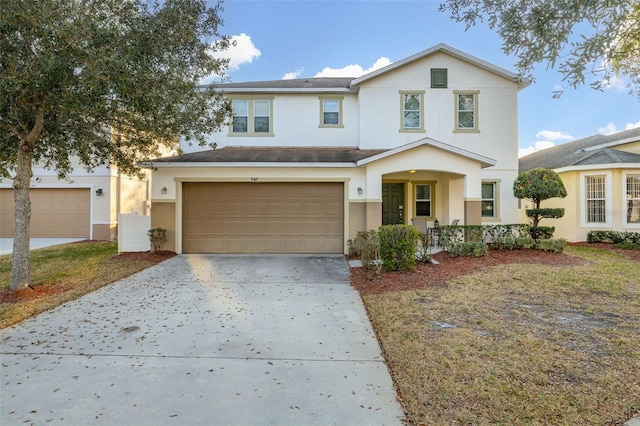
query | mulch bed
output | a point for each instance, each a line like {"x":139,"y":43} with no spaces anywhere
{"x":449,"y":267}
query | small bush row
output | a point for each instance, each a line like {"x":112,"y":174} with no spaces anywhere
{"x":616,"y":237}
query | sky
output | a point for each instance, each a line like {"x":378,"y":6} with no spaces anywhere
{"x":303,"y":39}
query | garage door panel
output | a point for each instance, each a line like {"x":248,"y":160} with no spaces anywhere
{"x":55,"y":212}
{"x":263,"y":217}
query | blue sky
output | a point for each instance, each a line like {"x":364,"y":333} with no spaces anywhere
{"x":302,"y":39}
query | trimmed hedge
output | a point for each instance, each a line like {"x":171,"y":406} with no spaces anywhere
{"x":398,"y":246}
{"x":615,"y":237}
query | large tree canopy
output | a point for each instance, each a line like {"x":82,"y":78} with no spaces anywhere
{"x":593,"y":41}
{"x":104,"y":82}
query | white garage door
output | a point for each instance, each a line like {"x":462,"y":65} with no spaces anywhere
{"x":55,"y":213}
{"x":263,"y":217}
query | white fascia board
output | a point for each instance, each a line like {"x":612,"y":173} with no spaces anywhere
{"x":597,"y":167}
{"x":485,"y":161}
{"x":287,"y":90}
{"x":264,"y":165}
{"x":487,"y":66}
{"x":614,"y":143}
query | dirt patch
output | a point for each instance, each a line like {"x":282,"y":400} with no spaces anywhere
{"x":449,"y":267}
{"x":145,"y":256}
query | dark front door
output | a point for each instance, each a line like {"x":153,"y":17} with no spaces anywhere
{"x":392,"y":203}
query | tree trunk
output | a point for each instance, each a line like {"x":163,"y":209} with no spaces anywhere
{"x":20,"y":262}
{"x":20,"y":267}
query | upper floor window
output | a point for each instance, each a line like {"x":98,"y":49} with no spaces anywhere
{"x":412,"y":116}
{"x":632,"y":199}
{"x":489,"y":199}
{"x":596,"y":197}
{"x":252,"y":117}
{"x":466,"y":114}
{"x":331,"y":112}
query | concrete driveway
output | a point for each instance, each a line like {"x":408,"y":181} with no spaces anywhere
{"x":6,"y":244}
{"x":203,"y":339}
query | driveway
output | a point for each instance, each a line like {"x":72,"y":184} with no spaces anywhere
{"x":6,"y":244}
{"x":204,"y":339}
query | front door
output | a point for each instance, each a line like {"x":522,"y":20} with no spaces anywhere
{"x":392,"y":203}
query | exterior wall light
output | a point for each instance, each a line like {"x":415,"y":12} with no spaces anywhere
{"x":359,"y":191}
{"x":99,"y":192}
{"x":163,"y":190}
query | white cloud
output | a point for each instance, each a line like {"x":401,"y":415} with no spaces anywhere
{"x":548,"y":140}
{"x":611,"y":128}
{"x":630,"y":126}
{"x":553,"y":135}
{"x":353,"y":70}
{"x":293,"y":74}
{"x":537,"y":146}
{"x":241,"y":51}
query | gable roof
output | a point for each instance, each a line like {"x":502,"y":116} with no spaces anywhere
{"x":458,"y":54}
{"x":351,"y":84}
{"x":281,"y":155}
{"x":588,"y":151}
{"x":484,"y":161}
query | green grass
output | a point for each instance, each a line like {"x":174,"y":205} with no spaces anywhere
{"x":63,"y":273}
{"x":518,"y":344}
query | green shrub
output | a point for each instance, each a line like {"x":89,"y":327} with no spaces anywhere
{"x":615,"y":237}
{"x":549,"y":213}
{"x":553,"y":246}
{"x":157,"y":238}
{"x":541,"y":232}
{"x":367,"y":247}
{"x":628,"y":245}
{"x":469,"y":249}
{"x":398,"y":246}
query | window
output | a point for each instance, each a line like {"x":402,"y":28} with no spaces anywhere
{"x":466,"y":111}
{"x":632,"y":199}
{"x":424,"y":200}
{"x":438,"y":78}
{"x":489,"y":200}
{"x":251,"y":117}
{"x":412,"y":111}
{"x":595,"y":196}
{"x":331,"y":112}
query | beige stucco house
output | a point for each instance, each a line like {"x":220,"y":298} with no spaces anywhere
{"x":86,"y":205}
{"x":602,"y":176}
{"x":307,"y":163}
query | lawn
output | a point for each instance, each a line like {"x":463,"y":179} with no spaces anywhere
{"x":65,"y":272}
{"x":517,"y":344}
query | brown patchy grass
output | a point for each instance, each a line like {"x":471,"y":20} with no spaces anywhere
{"x":65,"y":272}
{"x":517,"y":344}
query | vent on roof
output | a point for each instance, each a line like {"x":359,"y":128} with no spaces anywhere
{"x":438,"y":78}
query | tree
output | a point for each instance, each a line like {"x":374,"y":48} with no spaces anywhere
{"x":102,"y":82}
{"x":601,"y":38}
{"x":538,"y":185}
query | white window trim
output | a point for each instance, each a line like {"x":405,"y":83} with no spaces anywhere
{"x":608,"y":203}
{"x":250,"y":117}
{"x":476,"y":111}
{"x":331,"y":98}
{"x":626,"y":173}
{"x":496,"y":201}
{"x":411,"y":129}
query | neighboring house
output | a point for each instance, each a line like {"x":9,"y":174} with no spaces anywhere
{"x":305,"y":164}
{"x":84,"y":206}
{"x":602,"y":177}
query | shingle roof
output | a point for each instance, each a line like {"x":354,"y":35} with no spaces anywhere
{"x":243,"y":154}
{"x":588,"y":151}
{"x":318,"y":83}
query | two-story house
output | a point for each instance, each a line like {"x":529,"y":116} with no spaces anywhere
{"x":305,"y":164}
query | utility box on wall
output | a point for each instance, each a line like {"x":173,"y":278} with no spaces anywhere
{"x":132,"y":232}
